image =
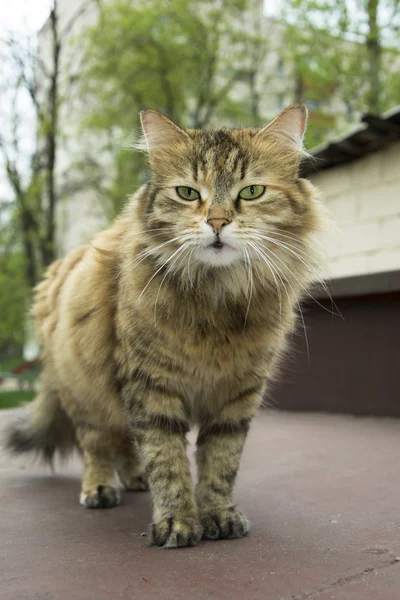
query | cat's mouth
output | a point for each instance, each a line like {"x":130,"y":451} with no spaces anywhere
{"x":218,"y":245}
{"x":219,"y":254}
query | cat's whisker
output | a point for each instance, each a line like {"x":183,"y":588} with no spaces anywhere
{"x":297,"y":240}
{"x":276,"y":271}
{"x":294,"y":248}
{"x":188,"y":267}
{"x":167,"y":229}
{"x":146,"y":253}
{"x":321,"y":282}
{"x":259,"y":272}
{"x":140,"y":257}
{"x":265,"y":247}
{"x":258,"y":251}
{"x":247,"y":262}
{"x":294,"y":236}
{"x":280,"y":232}
{"x":158,"y":270}
{"x":308,"y":266}
{"x":297,"y":302}
{"x":163,"y":230}
{"x":182,"y":248}
{"x":249,"y":285}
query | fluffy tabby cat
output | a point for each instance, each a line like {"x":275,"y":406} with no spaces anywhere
{"x":176,"y":315}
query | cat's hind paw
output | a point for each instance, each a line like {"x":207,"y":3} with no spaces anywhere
{"x":104,"y":496}
{"x":135,"y":483}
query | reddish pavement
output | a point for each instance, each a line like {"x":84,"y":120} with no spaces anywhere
{"x":322,"y":493}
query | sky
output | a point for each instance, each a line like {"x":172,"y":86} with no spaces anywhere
{"x":26,"y":16}
{"x":23,"y":15}
{"x":31,"y":14}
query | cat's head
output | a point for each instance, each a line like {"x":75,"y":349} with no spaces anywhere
{"x":226,"y":197}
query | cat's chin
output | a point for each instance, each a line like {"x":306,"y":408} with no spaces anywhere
{"x":220,"y":257}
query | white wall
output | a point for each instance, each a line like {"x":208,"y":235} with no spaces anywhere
{"x":364,"y":198}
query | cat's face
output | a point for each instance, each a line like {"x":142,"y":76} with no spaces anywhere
{"x":229,"y":196}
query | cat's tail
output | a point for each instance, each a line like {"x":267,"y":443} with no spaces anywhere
{"x":43,"y":429}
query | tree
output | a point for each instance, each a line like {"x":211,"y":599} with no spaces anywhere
{"x":374,"y":52}
{"x":381,"y":39}
{"x":31,"y":97}
{"x":347,"y":49}
{"x":14,"y":291}
{"x":34,"y":79}
{"x":184,"y":57}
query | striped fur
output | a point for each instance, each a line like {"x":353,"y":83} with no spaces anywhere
{"x":144,"y":333}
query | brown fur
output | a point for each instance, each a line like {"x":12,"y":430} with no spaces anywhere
{"x":142,"y":338}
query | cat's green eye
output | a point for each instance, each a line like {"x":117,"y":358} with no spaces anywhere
{"x":187,"y":193}
{"x":252,"y":192}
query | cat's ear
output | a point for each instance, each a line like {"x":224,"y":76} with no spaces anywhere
{"x":161,"y":134}
{"x":288,"y":128}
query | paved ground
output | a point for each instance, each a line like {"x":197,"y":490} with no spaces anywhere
{"x":322,"y":493}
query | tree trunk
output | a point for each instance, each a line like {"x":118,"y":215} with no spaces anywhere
{"x":31,"y":272}
{"x":374,"y":52}
{"x":48,"y":251}
{"x":27,"y":224}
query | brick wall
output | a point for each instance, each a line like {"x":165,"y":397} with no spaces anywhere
{"x":364,"y":198}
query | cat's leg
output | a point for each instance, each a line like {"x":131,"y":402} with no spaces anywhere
{"x":99,"y":453}
{"x":160,"y":425}
{"x":219,"y":449}
{"x":129,"y":466}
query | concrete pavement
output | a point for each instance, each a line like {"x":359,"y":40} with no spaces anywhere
{"x":322,"y":493}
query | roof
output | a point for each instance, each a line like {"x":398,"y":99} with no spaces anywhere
{"x":375,"y":133}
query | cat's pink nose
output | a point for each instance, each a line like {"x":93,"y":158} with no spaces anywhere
{"x":217,"y":224}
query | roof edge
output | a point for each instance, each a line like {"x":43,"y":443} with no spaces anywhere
{"x":374,"y":133}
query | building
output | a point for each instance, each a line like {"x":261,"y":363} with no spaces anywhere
{"x":359,"y":178}
{"x":353,"y":361}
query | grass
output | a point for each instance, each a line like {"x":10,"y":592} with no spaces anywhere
{"x":15,"y":398}
{"x":10,"y":363}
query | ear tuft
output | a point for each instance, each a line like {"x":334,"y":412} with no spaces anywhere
{"x":160,"y":133}
{"x":289,"y":126}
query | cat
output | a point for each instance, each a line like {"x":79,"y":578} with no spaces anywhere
{"x":177,"y":315}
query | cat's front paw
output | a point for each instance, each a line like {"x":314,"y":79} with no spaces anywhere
{"x":175,"y":532}
{"x":224,"y":523}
